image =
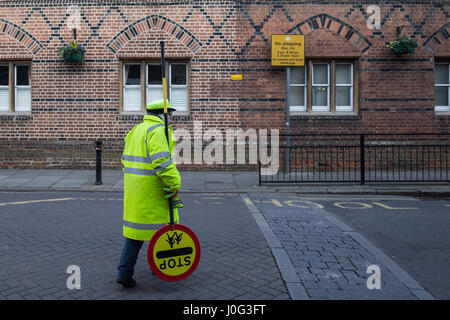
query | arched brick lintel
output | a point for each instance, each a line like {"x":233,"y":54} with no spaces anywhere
{"x":326,"y":21}
{"x":21,"y":35}
{"x":154,"y":21}
{"x":437,"y":38}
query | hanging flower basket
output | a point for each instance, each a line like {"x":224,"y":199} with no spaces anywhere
{"x":403,"y":44}
{"x":73,"y":52}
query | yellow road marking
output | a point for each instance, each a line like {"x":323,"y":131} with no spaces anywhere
{"x":35,"y":201}
{"x":292,"y":204}
{"x":362,"y":205}
{"x":392,"y":208}
{"x":272,"y":201}
{"x":277,"y":203}
{"x":248,"y":201}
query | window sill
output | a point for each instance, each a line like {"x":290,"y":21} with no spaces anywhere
{"x":4,"y":114}
{"x":324,"y":114}
{"x":132,"y":113}
{"x":442,"y":113}
{"x":181,"y":113}
{"x":176,"y":116}
{"x":141,"y":113}
{"x":350,"y":116}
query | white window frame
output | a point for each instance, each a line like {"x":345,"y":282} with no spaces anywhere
{"x":186,"y":86}
{"x":7,"y":89}
{"x":305,"y":93}
{"x":16,"y":86}
{"x":320,"y":108}
{"x":132,"y":86}
{"x":150,"y":86}
{"x":447,"y":107}
{"x":350,"y":107}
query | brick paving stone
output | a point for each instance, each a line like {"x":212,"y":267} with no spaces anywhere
{"x":236,"y":261}
{"x":318,"y":293}
{"x":308,"y":284}
{"x":317,"y":264}
{"x":329,"y":262}
{"x":327,"y":284}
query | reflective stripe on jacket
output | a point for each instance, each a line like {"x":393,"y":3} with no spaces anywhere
{"x":148,"y":168}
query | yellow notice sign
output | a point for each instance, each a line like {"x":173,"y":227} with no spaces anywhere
{"x":288,"y":50}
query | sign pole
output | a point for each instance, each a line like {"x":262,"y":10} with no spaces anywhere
{"x":288,"y":50}
{"x":166,"y":120}
{"x":287,"y":166}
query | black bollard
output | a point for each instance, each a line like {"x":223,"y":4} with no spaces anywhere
{"x":98,"y":167}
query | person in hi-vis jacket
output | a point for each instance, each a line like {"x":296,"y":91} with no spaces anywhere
{"x":150,"y":177}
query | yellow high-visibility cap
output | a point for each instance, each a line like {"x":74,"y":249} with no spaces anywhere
{"x":159,"y":104}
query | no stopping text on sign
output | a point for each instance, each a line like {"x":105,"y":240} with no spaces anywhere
{"x":288,"y":50}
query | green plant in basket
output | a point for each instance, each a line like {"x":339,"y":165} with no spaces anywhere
{"x":72,"y":52}
{"x":403,"y":44}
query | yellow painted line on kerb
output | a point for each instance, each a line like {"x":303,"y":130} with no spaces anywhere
{"x":248,"y":201}
{"x":35,"y":201}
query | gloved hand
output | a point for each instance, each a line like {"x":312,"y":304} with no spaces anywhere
{"x":171,"y":193}
{"x":175,"y":196}
{"x":177,"y":203}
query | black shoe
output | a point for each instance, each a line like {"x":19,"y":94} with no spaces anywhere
{"x":127,"y":283}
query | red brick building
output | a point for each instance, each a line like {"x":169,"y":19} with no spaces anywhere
{"x":52,"y":111}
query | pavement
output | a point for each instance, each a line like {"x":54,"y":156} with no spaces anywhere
{"x":252,"y":247}
{"x":201,"y":181}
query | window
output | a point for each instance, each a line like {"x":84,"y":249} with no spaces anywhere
{"x":132,"y":87}
{"x":154,"y":83}
{"x":4,"y":88}
{"x":142,"y":84}
{"x":15,"y":87}
{"x":298,"y":89}
{"x":22,"y":88}
{"x":442,"y":86}
{"x":178,"y":86}
{"x":320,"y":87}
{"x":323,"y":86}
{"x":344,"y":87}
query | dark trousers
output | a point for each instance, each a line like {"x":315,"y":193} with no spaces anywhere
{"x":128,"y":258}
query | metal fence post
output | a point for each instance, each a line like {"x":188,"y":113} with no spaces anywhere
{"x":259,"y":172}
{"x":98,"y":166}
{"x":362,"y":160}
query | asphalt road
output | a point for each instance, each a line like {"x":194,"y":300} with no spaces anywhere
{"x":43,"y":233}
{"x":412,"y":232}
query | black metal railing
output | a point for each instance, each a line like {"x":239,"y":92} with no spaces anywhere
{"x":360,"y":158}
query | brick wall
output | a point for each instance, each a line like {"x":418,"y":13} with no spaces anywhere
{"x":74,"y":104}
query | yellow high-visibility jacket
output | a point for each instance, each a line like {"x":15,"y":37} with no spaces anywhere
{"x":148,"y":168}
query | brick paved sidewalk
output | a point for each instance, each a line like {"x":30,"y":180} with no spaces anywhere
{"x":322,"y":258}
{"x":198,"y":181}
